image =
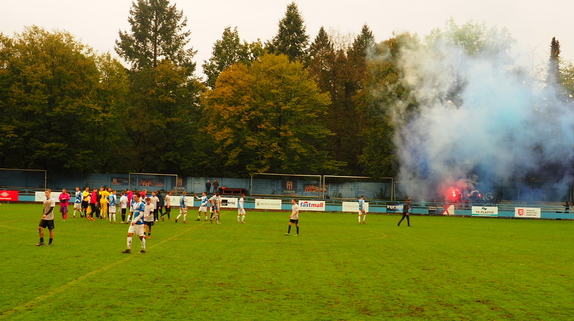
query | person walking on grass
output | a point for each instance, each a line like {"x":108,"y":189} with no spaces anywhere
{"x":154,"y":201}
{"x":47,"y":220}
{"x":137,"y":225}
{"x":167,"y":206}
{"x":241,"y":209}
{"x":294,"y":217}
{"x":64,"y":199}
{"x":149,"y":216}
{"x":182,"y":208}
{"x":407,"y":208}
{"x":362,"y":210}
{"x":216,"y":207}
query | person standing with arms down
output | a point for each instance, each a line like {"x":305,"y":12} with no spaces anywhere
{"x":407,"y":208}
{"x":167,"y":206}
{"x":112,"y":206}
{"x":294,"y":217}
{"x":85,"y":201}
{"x":64,"y":199}
{"x":362,"y":210}
{"x":123,"y":205}
{"x":208,"y":186}
{"x":215,"y":186}
{"x":182,"y":208}
{"x":78,"y":202}
{"x":154,"y":201}
{"x":47,"y":218}
{"x":137,"y":225}
{"x":241,"y":209}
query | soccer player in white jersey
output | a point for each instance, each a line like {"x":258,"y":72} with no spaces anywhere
{"x":123,"y":205}
{"x":137,"y":225}
{"x":78,"y":202}
{"x":216,"y":199}
{"x":241,"y":209}
{"x":203,"y":200}
{"x":294,"y":217}
{"x":362,"y":210}
{"x":154,"y":200}
{"x":112,"y":206}
{"x":148,"y":216}
{"x":47,"y":218}
{"x":182,"y":208}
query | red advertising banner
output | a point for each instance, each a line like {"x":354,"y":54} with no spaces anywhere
{"x":8,"y":195}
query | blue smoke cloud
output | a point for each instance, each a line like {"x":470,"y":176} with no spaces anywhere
{"x":482,"y":121}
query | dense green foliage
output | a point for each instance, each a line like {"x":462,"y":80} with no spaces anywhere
{"x":331,"y":108}
{"x":440,"y":268}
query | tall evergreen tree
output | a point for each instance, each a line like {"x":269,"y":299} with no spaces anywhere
{"x":157,"y":33}
{"x":554,"y":63}
{"x":226,"y":52}
{"x":291,"y":39}
{"x":164,"y":96}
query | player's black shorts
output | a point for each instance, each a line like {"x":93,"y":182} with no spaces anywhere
{"x":124,"y":211}
{"x":84,"y":204}
{"x":47,"y":224}
{"x":149,"y":224}
{"x":294,"y":221}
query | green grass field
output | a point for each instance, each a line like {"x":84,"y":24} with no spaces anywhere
{"x":441,"y":268}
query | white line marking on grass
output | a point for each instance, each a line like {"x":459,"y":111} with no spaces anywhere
{"x":34,"y":302}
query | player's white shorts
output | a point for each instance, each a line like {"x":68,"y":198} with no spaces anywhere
{"x":203,"y":209}
{"x":361,"y":212}
{"x":77,"y":206}
{"x":183,"y":210}
{"x":112,"y":208}
{"x":137,"y":229}
{"x":241,"y":211}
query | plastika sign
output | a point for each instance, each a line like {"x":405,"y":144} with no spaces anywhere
{"x":312,"y":206}
{"x":527,"y":212}
{"x":484,"y":211}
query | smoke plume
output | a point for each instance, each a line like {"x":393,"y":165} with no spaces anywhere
{"x":482,"y":122}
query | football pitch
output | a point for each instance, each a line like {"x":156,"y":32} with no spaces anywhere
{"x":441,"y":268}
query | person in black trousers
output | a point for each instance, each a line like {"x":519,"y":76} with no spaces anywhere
{"x":407,"y":208}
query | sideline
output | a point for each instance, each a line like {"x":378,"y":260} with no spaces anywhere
{"x":34,"y":302}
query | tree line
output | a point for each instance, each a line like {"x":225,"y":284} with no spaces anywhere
{"x":291,"y":104}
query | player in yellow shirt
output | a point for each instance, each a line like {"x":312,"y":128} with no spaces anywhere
{"x":103,"y":195}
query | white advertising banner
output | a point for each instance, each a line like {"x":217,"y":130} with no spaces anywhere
{"x":448,"y":210}
{"x":175,"y":201}
{"x":354,"y":207}
{"x":41,"y":196}
{"x":485,"y":211}
{"x":229,"y":202}
{"x":267,"y":204}
{"x":527,"y":212}
{"x":312,"y":205}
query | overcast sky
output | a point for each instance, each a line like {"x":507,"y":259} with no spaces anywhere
{"x":96,"y":23}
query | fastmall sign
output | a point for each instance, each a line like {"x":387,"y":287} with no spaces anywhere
{"x":312,"y":205}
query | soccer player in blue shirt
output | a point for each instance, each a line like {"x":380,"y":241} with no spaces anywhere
{"x":202,"y":205}
{"x":112,"y":206}
{"x":182,"y":208}
{"x":241,"y":209}
{"x":137,"y":225}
